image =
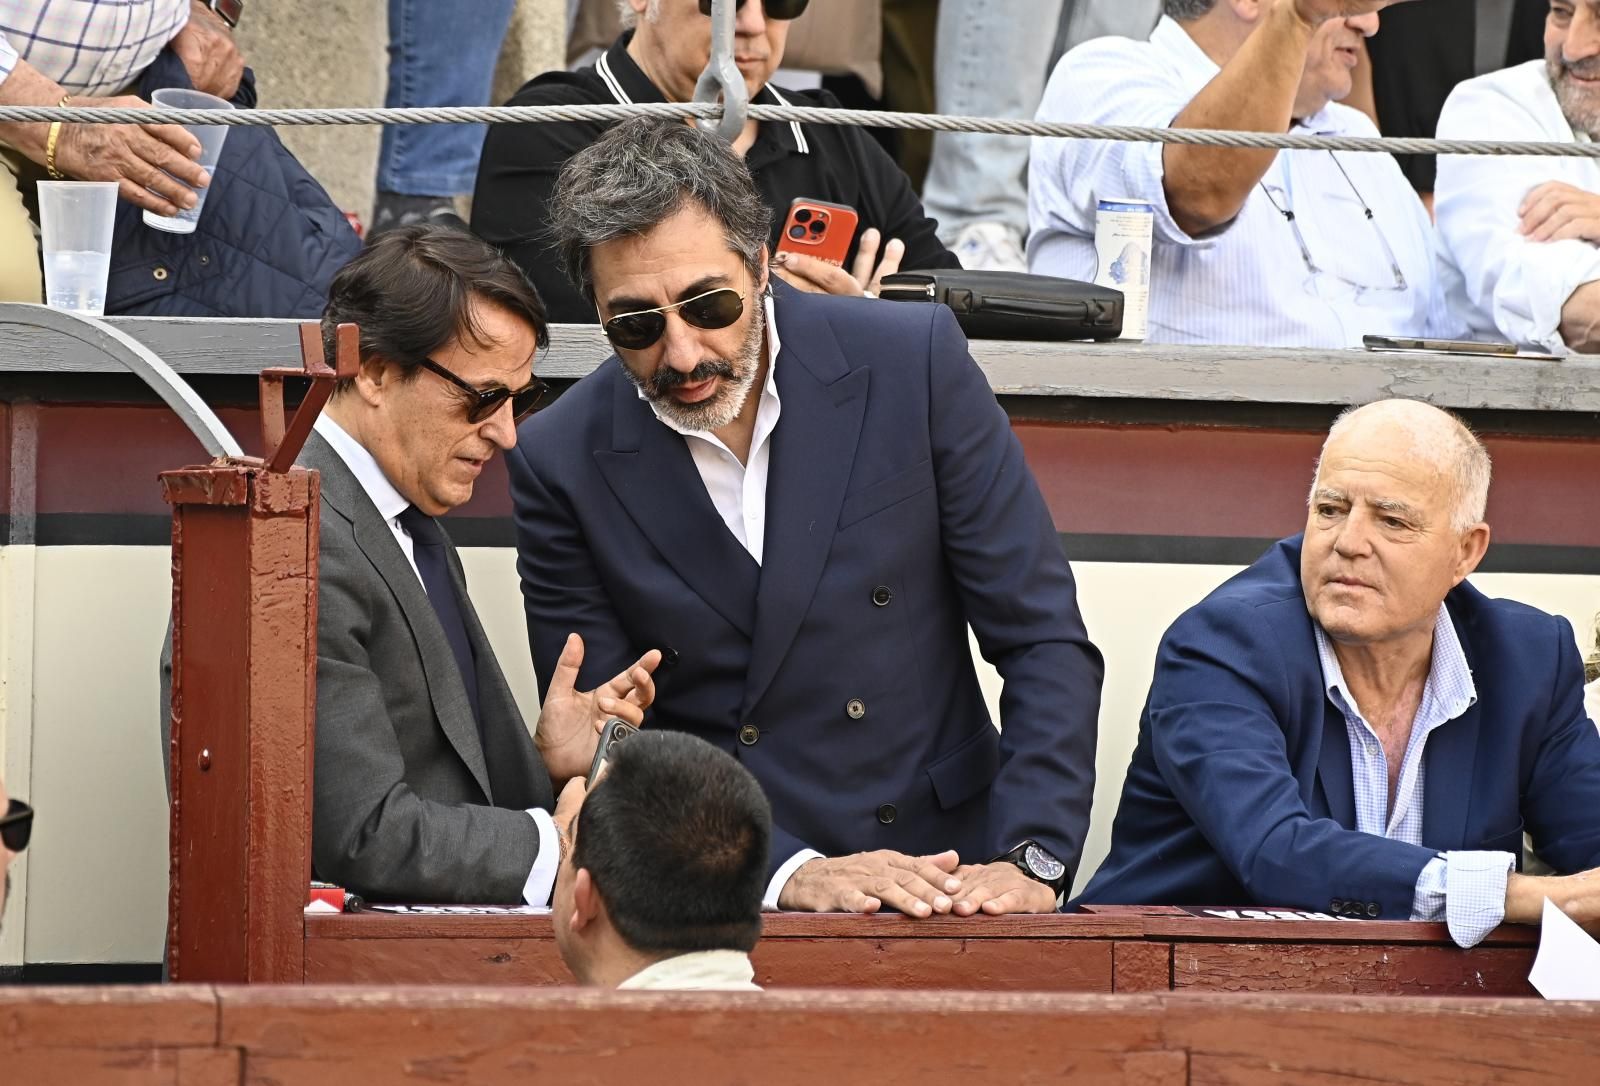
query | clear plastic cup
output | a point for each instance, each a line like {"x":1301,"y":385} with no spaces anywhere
{"x":210,"y":136}
{"x":75,"y":219}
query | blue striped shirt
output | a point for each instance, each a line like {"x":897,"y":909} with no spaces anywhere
{"x":88,"y":46}
{"x":1465,"y":889}
{"x":1247,"y":282}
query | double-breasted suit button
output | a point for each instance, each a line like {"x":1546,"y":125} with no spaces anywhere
{"x":1373,"y":910}
{"x":1336,"y":906}
{"x":748,"y":734}
{"x":886,"y":813}
{"x":855,"y":708}
{"x":669,"y":658}
{"x":882,"y":595}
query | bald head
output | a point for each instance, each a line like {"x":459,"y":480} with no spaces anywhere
{"x":1432,"y":441}
{"x":1395,"y":522}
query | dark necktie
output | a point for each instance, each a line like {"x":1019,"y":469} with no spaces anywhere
{"x":428,"y":548}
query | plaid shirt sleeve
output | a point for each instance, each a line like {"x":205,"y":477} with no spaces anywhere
{"x":1467,"y":890}
{"x":88,"y":46}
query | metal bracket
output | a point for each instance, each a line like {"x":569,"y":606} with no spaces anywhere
{"x":722,"y":81}
{"x":284,"y":442}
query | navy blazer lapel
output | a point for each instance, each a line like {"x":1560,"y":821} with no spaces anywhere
{"x":813,"y":451}
{"x":650,"y":470}
{"x":343,"y":491}
{"x":1450,"y":759}
{"x":1333,"y":764}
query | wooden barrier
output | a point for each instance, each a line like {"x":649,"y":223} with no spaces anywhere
{"x":1110,"y":950}
{"x":284,"y":1036}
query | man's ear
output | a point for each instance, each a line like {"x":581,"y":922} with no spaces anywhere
{"x":372,"y":376}
{"x":1473,"y":545}
{"x":586,"y":905}
{"x":764,"y":262}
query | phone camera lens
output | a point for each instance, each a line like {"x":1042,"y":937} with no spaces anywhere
{"x":802,"y":215}
{"x":818,"y":227}
{"x":797,"y":232}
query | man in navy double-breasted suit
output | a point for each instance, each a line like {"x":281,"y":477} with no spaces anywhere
{"x":1349,"y":727}
{"x":804,"y":502}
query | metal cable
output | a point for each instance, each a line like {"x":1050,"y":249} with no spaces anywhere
{"x":803,"y":114}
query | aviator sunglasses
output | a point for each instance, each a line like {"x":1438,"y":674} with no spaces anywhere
{"x":712,"y":310}
{"x":774,"y":9}
{"x":482,"y":403}
{"x":16,"y":825}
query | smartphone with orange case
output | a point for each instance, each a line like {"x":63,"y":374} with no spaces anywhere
{"x":820,"y":229}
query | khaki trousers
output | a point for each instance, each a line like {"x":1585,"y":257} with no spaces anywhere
{"x":20,"y":277}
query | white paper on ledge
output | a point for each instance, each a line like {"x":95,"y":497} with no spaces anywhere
{"x":1568,"y":963}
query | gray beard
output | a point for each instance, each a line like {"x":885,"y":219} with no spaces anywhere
{"x":723,"y":408}
{"x":1581,"y":111}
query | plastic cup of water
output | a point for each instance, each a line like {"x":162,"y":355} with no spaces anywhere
{"x":75,"y":219}
{"x":210,"y":136}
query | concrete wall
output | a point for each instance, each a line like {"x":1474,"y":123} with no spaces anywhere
{"x":334,"y":54}
{"x":80,"y":632}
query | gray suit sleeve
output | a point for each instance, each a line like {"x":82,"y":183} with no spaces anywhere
{"x":372,"y":833}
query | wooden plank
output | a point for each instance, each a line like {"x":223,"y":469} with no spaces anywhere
{"x":775,"y":1038}
{"x":1356,"y":968}
{"x":1141,"y":967}
{"x":988,"y":965}
{"x":1314,"y":1041}
{"x":1096,"y":371}
{"x":796,"y":951}
{"x":169,"y":1016}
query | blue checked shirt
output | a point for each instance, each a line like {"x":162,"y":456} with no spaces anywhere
{"x":1465,"y":889}
{"x":88,"y":46}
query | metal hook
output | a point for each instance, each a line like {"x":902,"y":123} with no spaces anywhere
{"x":721,"y":80}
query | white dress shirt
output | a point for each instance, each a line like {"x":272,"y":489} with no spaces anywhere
{"x":1505,"y":286}
{"x":739,"y":493}
{"x":1466,"y":889}
{"x":1247,"y":282}
{"x":390,"y":504}
{"x":701,"y":970}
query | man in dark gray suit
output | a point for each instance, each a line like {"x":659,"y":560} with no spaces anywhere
{"x":429,"y":788}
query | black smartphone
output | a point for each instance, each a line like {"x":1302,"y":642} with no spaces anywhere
{"x":615,"y":732}
{"x":1438,"y":346}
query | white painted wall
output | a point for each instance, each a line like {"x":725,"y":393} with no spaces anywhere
{"x":80,"y":635}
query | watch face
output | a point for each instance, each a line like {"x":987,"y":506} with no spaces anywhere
{"x":1044,"y":866}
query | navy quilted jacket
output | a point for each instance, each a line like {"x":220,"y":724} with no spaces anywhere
{"x":269,"y":240}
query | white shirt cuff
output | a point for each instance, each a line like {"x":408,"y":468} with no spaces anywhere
{"x":769,"y":903}
{"x":1467,"y":890}
{"x":542,"y":879}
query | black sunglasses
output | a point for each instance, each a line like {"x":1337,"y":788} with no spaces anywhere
{"x":16,"y":826}
{"x":485,"y":402}
{"x":712,"y":310}
{"x":774,"y":9}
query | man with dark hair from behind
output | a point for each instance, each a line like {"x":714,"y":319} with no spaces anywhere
{"x":661,"y":885}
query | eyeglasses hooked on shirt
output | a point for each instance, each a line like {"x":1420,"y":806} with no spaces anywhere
{"x":1398,"y":281}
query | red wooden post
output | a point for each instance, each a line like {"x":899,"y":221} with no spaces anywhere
{"x":244,"y":602}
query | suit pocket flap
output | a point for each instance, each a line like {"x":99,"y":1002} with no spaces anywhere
{"x":967,"y":770}
{"x":879,"y":496}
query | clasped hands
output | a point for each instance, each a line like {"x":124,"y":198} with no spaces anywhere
{"x":915,"y":885}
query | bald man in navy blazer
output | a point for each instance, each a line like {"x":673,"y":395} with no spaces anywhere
{"x":804,"y":501}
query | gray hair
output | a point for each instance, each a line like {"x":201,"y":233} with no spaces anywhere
{"x":630,"y":18}
{"x":1442,"y":439}
{"x":641,"y":173}
{"x":1182,"y":10}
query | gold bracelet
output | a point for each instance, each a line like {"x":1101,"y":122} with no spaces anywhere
{"x":50,"y":144}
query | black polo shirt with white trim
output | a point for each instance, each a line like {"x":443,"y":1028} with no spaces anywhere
{"x":842,"y":165}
